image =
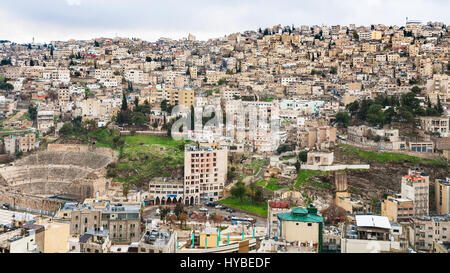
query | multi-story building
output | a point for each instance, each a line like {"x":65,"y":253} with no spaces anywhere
{"x":95,"y":241}
{"x":371,"y":234}
{"x":273,"y":208}
{"x":205,"y":170}
{"x":121,"y":220}
{"x":442,"y":195}
{"x":165,"y":191}
{"x":397,"y":209}
{"x":27,"y":142}
{"x":11,"y":145}
{"x":436,"y":125}
{"x":416,"y":188}
{"x":154,"y":241}
{"x":183,"y":97}
{"x":302,"y":226}
{"x":320,"y":136}
{"x":426,"y":230}
{"x":45,"y":120}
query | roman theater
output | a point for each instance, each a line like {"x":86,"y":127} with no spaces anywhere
{"x":76,"y":171}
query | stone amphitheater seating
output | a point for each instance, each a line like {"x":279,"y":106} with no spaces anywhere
{"x":37,"y":173}
{"x":90,"y":160}
{"x":19,"y":175}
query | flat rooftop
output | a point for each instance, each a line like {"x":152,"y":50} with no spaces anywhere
{"x":6,"y":216}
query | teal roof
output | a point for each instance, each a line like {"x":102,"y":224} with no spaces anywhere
{"x":301,"y":215}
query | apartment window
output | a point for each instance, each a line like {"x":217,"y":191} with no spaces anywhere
{"x":309,"y":224}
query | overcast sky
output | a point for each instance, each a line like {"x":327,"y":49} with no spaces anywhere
{"x":48,"y":20}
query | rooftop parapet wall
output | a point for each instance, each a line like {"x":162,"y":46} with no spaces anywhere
{"x":28,"y":201}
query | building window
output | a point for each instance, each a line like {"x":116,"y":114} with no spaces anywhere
{"x":309,"y":224}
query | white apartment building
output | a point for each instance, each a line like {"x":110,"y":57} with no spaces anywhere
{"x":416,"y":188}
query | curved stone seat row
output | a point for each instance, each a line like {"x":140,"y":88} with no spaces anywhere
{"x":17,"y":175}
{"x":84,"y":159}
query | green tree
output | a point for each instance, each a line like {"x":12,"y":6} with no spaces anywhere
{"x":32,"y":112}
{"x":163,"y":211}
{"x":5,"y":62}
{"x":303,"y":156}
{"x":6,"y":86}
{"x":239,"y":191}
{"x":342,"y":118}
{"x":139,"y":118}
{"x":439,"y":107}
{"x":416,"y":90}
{"x":353,"y":107}
{"x":179,"y":209}
{"x":66,"y":129}
{"x":124,"y":106}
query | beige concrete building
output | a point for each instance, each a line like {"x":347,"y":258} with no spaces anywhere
{"x":320,"y":136}
{"x":371,"y":234}
{"x":164,"y":191}
{"x":205,"y":171}
{"x":416,"y":188}
{"x":154,"y":241}
{"x":320,"y":158}
{"x":121,"y":220}
{"x":427,"y":230}
{"x":273,"y":209}
{"x":184,"y":97}
{"x":442,"y":195}
{"x":436,"y":125}
{"x":302,"y":226}
{"x":397,"y":209}
{"x":27,"y":142}
{"x":351,"y":205}
{"x":95,"y":241}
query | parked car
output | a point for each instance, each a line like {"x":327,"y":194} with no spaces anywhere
{"x":190,"y":213}
{"x":219,"y":206}
{"x":210,"y":204}
{"x":203,"y":209}
{"x":230,"y":210}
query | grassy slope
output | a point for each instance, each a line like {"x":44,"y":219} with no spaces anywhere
{"x":247,"y":205}
{"x":384,"y":157}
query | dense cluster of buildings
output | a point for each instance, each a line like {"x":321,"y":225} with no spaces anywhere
{"x":262,"y":92}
